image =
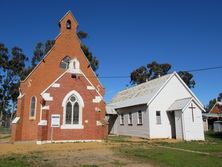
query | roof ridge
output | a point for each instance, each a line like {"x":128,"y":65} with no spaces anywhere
{"x":144,"y":83}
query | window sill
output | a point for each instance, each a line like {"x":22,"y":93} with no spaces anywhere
{"x":121,"y":124}
{"x":139,"y":124}
{"x":130,"y":124}
{"x":72,"y":127}
{"x":31,"y":118}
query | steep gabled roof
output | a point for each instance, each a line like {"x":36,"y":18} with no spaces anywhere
{"x":146,"y":92}
{"x":139,"y":94}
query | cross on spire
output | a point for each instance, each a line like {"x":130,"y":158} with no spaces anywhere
{"x":192,"y":108}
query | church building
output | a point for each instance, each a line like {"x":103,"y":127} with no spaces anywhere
{"x":61,"y":100}
{"x":160,"y":108}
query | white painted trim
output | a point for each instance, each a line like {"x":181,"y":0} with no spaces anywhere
{"x":190,"y":91}
{"x":56,"y":85}
{"x":42,"y":123}
{"x":66,"y":141}
{"x":81,"y":106}
{"x":91,"y":88}
{"x":54,"y":82}
{"x":71,"y":15}
{"x":213,"y":107}
{"x":97,"y":99}
{"x":91,"y":84}
{"x":21,"y":96}
{"x":80,"y":100}
{"x":72,"y":126}
{"x":42,"y":59}
{"x":32,"y":117}
{"x":45,"y":108}
{"x":92,"y":69}
{"x":183,"y":83}
{"x":40,"y":115}
{"x":47,"y":97}
{"x":15,"y":121}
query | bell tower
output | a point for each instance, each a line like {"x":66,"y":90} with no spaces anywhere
{"x":68,"y":23}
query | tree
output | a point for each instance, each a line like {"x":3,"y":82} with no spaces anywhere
{"x":213,"y":101}
{"x":94,"y":62}
{"x":12,"y":67}
{"x":41,"y":49}
{"x":187,"y":78}
{"x":154,"y":70}
{"x":139,"y":75}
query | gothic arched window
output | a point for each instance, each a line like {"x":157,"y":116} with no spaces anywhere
{"x":64,"y":64}
{"x":32,"y":107}
{"x":72,"y":110}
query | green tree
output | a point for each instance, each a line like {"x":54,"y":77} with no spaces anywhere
{"x":213,"y":101}
{"x":154,"y":70}
{"x":139,"y":75}
{"x":187,"y":78}
{"x":94,"y":62}
{"x":12,"y":67}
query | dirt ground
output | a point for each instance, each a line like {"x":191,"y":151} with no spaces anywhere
{"x":72,"y":154}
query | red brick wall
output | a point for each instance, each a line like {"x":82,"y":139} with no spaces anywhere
{"x":66,"y":44}
{"x":90,"y":131}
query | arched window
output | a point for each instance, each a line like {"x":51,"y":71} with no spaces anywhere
{"x":72,"y":111}
{"x":68,"y":24}
{"x":32,"y":106}
{"x":64,"y":64}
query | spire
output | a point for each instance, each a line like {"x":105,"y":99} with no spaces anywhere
{"x":68,"y":23}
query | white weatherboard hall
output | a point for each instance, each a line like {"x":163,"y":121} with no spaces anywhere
{"x":161,"y":108}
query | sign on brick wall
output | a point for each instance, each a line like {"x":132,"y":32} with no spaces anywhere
{"x":55,"y":120}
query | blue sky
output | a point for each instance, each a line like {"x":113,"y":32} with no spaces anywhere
{"x":125,"y":34}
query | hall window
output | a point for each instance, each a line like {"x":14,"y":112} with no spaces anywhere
{"x":158,"y":117}
{"x":130,"y":121}
{"x":140,"y":118}
{"x":121,"y":119}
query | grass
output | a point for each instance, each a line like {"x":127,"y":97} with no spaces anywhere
{"x":15,"y":160}
{"x":142,"y":152}
{"x":4,"y":130}
{"x":150,"y":152}
{"x":212,"y":144}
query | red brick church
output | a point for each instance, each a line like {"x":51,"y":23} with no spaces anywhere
{"x":61,"y":100}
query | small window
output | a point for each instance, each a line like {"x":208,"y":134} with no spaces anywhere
{"x":68,"y":25}
{"x":64,"y":64}
{"x":121,"y":119}
{"x":158,"y":117}
{"x":140,"y":118}
{"x":130,"y":122}
{"x":32,"y":107}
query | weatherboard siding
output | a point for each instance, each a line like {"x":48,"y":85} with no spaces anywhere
{"x":193,"y":129}
{"x":134,"y":129}
{"x":174,"y":90}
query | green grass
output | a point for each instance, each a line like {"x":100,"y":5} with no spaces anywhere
{"x":119,"y":138}
{"x":150,"y":152}
{"x":14,"y":160}
{"x":167,"y":157}
{"x":4,"y":130}
{"x":212,"y":144}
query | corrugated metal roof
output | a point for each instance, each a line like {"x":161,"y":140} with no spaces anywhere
{"x":179,"y":104}
{"x":140,"y":94}
{"x":110,"y":110}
